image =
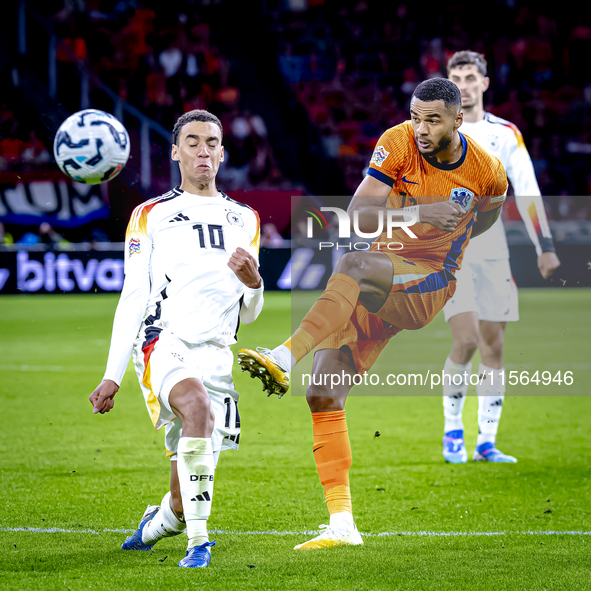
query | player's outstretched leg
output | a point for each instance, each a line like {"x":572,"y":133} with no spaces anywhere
{"x":366,"y":277}
{"x":263,"y":364}
{"x":332,"y":452}
{"x":328,"y":314}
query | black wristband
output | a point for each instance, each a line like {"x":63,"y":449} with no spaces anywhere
{"x":547,"y":244}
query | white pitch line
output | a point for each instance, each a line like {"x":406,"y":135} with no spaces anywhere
{"x":59,"y":530}
{"x":49,"y":368}
{"x":272,"y":532}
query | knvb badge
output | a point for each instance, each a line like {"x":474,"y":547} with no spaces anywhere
{"x":463,"y":197}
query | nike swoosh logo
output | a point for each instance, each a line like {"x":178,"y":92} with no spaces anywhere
{"x":315,"y":450}
{"x":405,"y":180}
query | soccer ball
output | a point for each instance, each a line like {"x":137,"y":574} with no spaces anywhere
{"x":91,"y":147}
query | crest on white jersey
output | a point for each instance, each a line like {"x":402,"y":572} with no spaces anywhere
{"x":234,"y":219}
{"x":463,"y":197}
{"x":493,"y":143}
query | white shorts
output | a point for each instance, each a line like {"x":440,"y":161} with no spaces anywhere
{"x":162,"y":360}
{"x":486,"y":288}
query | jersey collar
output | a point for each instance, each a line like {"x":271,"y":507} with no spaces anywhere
{"x":454,"y":165}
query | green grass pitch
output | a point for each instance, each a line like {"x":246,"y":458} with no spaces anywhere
{"x":73,"y":479}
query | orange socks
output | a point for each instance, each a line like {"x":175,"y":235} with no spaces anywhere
{"x":326,"y":316}
{"x":332,"y":450}
{"x":332,"y":453}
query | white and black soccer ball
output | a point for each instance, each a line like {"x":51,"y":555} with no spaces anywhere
{"x":91,"y":146}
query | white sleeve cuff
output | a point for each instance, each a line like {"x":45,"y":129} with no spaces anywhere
{"x":252,"y":304}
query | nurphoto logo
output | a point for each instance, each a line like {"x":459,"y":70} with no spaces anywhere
{"x":344,"y":228}
{"x":345,"y":223}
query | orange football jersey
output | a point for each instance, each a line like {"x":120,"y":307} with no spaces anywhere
{"x":476,"y":182}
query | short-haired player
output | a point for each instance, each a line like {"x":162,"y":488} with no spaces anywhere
{"x":423,"y":167}
{"x":191,"y":273}
{"x":486,"y":295}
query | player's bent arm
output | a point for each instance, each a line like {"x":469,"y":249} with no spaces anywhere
{"x":245,"y":267}
{"x":484,"y":221}
{"x":368,"y":205}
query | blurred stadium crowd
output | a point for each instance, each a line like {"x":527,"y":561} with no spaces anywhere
{"x":350,"y":66}
{"x":355,"y":68}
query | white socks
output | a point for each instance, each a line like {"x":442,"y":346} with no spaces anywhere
{"x":284,"y":357}
{"x":454,"y":394}
{"x":164,"y":524}
{"x":491,"y":394}
{"x":195,"y":467}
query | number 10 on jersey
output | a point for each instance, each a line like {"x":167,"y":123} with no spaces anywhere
{"x":216,"y":235}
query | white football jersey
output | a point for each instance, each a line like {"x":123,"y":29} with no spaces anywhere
{"x":503,"y":140}
{"x":177,"y":277}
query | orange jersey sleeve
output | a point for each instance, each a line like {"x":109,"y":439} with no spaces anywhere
{"x":389,"y":155}
{"x":496,"y":192}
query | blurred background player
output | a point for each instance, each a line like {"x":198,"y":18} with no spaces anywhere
{"x":486,"y":295}
{"x":191,"y":271}
{"x":371,"y":296}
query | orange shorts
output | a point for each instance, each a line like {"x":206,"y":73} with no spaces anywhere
{"x":420,"y":289}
